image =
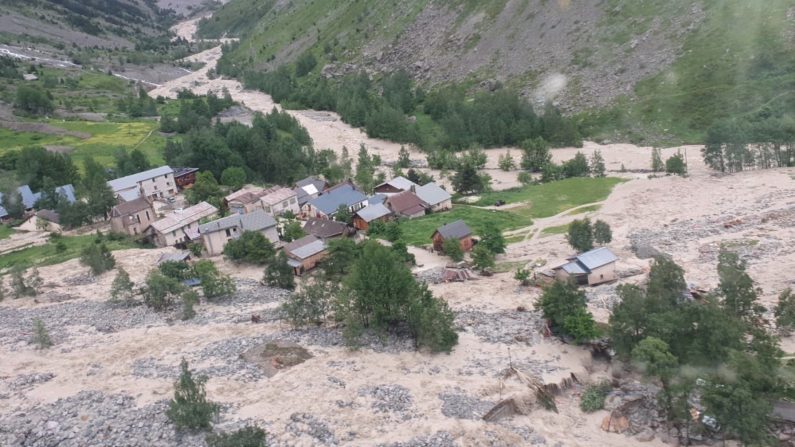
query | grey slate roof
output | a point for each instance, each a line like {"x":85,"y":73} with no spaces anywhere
{"x":373,"y":212}
{"x":343,"y":195}
{"x":454,"y":230}
{"x":432,"y":194}
{"x":132,"y":180}
{"x":324,"y":229}
{"x":597,"y":258}
{"x":399,"y":182}
{"x":305,"y":247}
{"x":376,"y":198}
{"x":589,"y":261}
{"x":257,"y":220}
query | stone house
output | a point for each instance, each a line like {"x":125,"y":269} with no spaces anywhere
{"x":435,"y":197}
{"x":157,"y":183}
{"x":591,"y":268}
{"x":216,"y":234}
{"x":278,"y":200}
{"x":181,"y":226}
{"x":133,"y":217}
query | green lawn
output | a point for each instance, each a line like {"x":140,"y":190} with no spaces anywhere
{"x":585,"y":209}
{"x":5,"y":231}
{"x":539,"y":201}
{"x":418,"y":231}
{"x":560,"y":229}
{"x":549,"y":199}
{"x":48,"y":254}
{"x":106,"y":138}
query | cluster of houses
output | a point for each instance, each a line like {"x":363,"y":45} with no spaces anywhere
{"x":312,"y":201}
{"x":49,"y":218}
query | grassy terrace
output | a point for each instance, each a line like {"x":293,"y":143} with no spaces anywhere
{"x":106,"y":138}
{"x":537,"y":201}
{"x":48,"y":254}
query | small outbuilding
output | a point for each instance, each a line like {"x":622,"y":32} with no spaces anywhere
{"x":436,"y":198}
{"x":304,"y":254}
{"x":406,"y":204}
{"x":365,"y":216}
{"x":457,"y":230}
{"x":591,"y":268}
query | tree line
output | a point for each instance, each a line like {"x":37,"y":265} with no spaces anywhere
{"x":735,"y":145}
{"x":387,"y":108}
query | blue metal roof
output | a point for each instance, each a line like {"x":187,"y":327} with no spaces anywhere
{"x":343,"y":195}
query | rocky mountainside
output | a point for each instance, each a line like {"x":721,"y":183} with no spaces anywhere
{"x":82,"y":23}
{"x":650,"y":58}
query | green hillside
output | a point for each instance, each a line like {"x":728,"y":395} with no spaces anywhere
{"x":640,"y":70}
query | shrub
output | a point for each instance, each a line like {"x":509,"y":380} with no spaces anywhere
{"x":482,"y":257}
{"x":41,"y":337}
{"x":245,"y":437}
{"x":310,"y":306}
{"x":190,"y":408}
{"x":178,"y":270}
{"x":524,"y":178}
{"x":491,"y":237}
{"x":279,"y":273}
{"x":214,"y":284}
{"x":161,"y":291}
{"x":251,"y":247}
{"x":189,"y":299}
{"x":565,"y":307}
{"x":593,"y":398}
{"x":98,"y":258}
{"x":292,"y":232}
{"x":452,"y":248}
{"x":676,"y":165}
{"x":432,"y":322}
{"x":22,"y":286}
{"x":523,"y":276}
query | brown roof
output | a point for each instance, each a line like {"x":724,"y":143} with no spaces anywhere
{"x":405,"y":203}
{"x":133,"y":206}
{"x":325,"y":229}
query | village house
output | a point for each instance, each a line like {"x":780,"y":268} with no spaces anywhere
{"x":406,"y":204}
{"x":308,"y":189}
{"x":157,"y":183}
{"x":43,"y":220}
{"x":395,"y":186}
{"x":457,"y":230}
{"x":326,"y":229}
{"x":181,"y":226}
{"x":133,"y":217}
{"x":278,"y":200}
{"x":29,"y":198}
{"x":244,"y":200}
{"x":217,"y":233}
{"x":590,"y":268}
{"x":435,"y":197}
{"x":326,"y":206}
{"x":367,"y":215}
{"x":185,"y":177}
{"x":304,"y":254}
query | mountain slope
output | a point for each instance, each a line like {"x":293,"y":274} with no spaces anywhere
{"x":84,"y":23}
{"x":581,"y":54}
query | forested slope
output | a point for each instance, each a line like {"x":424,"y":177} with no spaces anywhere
{"x":644,"y":69}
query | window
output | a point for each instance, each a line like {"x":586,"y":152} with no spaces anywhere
{"x":147,"y":216}
{"x":138,"y":217}
{"x":228,"y":233}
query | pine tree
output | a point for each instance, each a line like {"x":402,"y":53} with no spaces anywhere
{"x":41,"y":337}
{"x":657,"y":164}
{"x":597,"y":164}
{"x":121,"y":290}
{"x":491,"y":237}
{"x":404,"y":159}
{"x":190,"y":407}
{"x":98,"y":258}
{"x":506,"y":162}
